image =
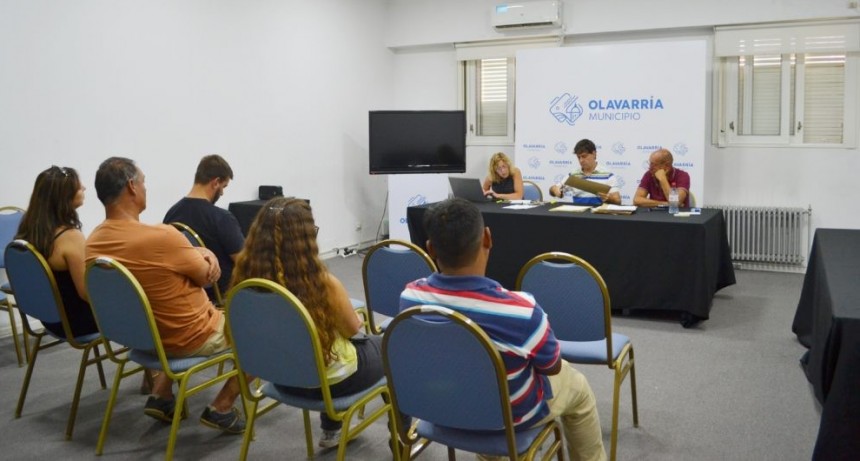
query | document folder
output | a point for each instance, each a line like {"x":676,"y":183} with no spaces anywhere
{"x":586,"y":185}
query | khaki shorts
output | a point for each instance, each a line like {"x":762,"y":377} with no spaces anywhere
{"x":216,"y":343}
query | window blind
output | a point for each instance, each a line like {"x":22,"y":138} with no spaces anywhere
{"x":807,"y":37}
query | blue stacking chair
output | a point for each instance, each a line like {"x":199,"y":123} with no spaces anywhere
{"x":446,"y":375}
{"x":275,"y":339}
{"x":531,"y":191}
{"x":10,"y":219}
{"x":575,"y":297}
{"x":125,"y":317}
{"x":197,"y":241}
{"x":387,"y":268}
{"x":37,"y":296}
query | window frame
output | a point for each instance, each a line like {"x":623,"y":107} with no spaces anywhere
{"x":793,"y":42}
{"x":472,"y":100}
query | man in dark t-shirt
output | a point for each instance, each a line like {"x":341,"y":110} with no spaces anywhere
{"x":218,"y":228}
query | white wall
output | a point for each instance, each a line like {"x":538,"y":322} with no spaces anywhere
{"x":423,"y":22}
{"x":822,"y":178}
{"x":280,"y":88}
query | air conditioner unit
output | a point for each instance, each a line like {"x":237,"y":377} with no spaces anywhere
{"x":541,"y":13}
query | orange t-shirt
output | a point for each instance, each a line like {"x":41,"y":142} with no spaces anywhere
{"x":162,"y":260}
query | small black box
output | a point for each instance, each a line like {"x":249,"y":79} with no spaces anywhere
{"x":267,"y":192}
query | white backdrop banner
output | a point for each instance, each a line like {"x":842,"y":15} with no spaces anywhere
{"x":630,"y":99}
{"x":406,"y":190}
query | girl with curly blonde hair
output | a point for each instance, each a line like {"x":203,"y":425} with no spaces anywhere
{"x":282,"y":246}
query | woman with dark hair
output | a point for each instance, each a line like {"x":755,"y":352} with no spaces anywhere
{"x":282,"y":246}
{"x":51,"y":225}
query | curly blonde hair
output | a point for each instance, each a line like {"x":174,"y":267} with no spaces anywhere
{"x":281,"y":246}
{"x":494,"y":160}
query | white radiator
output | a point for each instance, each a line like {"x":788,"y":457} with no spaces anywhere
{"x":767,"y":235}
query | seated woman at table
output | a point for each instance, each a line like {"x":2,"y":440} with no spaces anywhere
{"x":505,"y":181}
{"x":51,"y":225}
{"x":282,"y":246}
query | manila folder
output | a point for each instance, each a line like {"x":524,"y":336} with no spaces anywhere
{"x":586,"y":185}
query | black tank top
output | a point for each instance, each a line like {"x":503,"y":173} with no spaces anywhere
{"x":78,"y":311}
{"x":505,"y":186}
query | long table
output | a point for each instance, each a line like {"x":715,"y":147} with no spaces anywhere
{"x":650,"y":260}
{"x":827,"y":321}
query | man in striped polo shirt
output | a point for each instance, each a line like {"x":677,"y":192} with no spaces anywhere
{"x":541,"y":384}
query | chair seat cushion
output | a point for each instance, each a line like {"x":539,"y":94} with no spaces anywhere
{"x":357,"y":303}
{"x":592,"y":352}
{"x":88,"y":338}
{"x":340,"y":403}
{"x":177,"y":365}
{"x":485,"y":442}
{"x":81,"y":339}
{"x":6,"y":288}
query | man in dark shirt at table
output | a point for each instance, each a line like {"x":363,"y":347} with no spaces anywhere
{"x":661,"y":177}
{"x":218,"y":228}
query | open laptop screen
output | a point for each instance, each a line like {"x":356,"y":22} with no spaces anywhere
{"x":468,"y":188}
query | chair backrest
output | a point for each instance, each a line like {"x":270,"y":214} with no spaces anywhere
{"x":120,"y":306}
{"x":531,"y":191}
{"x":274,"y":338}
{"x":33,"y":282}
{"x":572,"y":293}
{"x":10,"y":219}
{"x":387,"y":268}
{"x":189,"y":233}
{"x":197,"y":241}
{"x":442,"y":368}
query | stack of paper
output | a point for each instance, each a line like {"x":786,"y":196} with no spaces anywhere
{"x":571,"y":208}
{"x":609,"y":208}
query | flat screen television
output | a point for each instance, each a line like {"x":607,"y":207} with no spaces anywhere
{"x":417,"y":141}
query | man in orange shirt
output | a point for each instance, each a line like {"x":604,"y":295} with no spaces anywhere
{"x":172,"y":273}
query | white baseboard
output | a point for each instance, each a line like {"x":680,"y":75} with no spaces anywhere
{"x":355,"y":247}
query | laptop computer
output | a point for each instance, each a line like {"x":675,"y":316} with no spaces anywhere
{"x":468,"y":188}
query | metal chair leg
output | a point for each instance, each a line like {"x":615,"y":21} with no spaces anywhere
{"x":22,"y":359}
{"x":26,"y":385}
{"x":251,"y":418}
{"x":616,"y":391}
{"x":309,"y":438}
{"x":73,"y":412}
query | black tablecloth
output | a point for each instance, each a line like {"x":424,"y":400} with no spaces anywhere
{"x":827,"y":321}
{"x":650,"y":260}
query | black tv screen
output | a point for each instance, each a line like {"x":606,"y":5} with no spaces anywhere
{"x":422,"y":141}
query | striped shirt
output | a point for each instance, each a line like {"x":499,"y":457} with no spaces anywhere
{"x":581,"y":197}
{"x":514,"y":322}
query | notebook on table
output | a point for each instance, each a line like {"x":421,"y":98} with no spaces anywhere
{"x":468,"y":188}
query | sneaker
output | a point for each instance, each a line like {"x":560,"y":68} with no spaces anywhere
{"x":330,"y":439}
{"x":230,"y":422}
{"x":160,"y":409}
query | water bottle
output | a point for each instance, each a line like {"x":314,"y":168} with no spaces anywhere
{"x":673,"y":200}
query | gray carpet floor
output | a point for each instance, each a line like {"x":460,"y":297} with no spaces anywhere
{"x":729,"y":389}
